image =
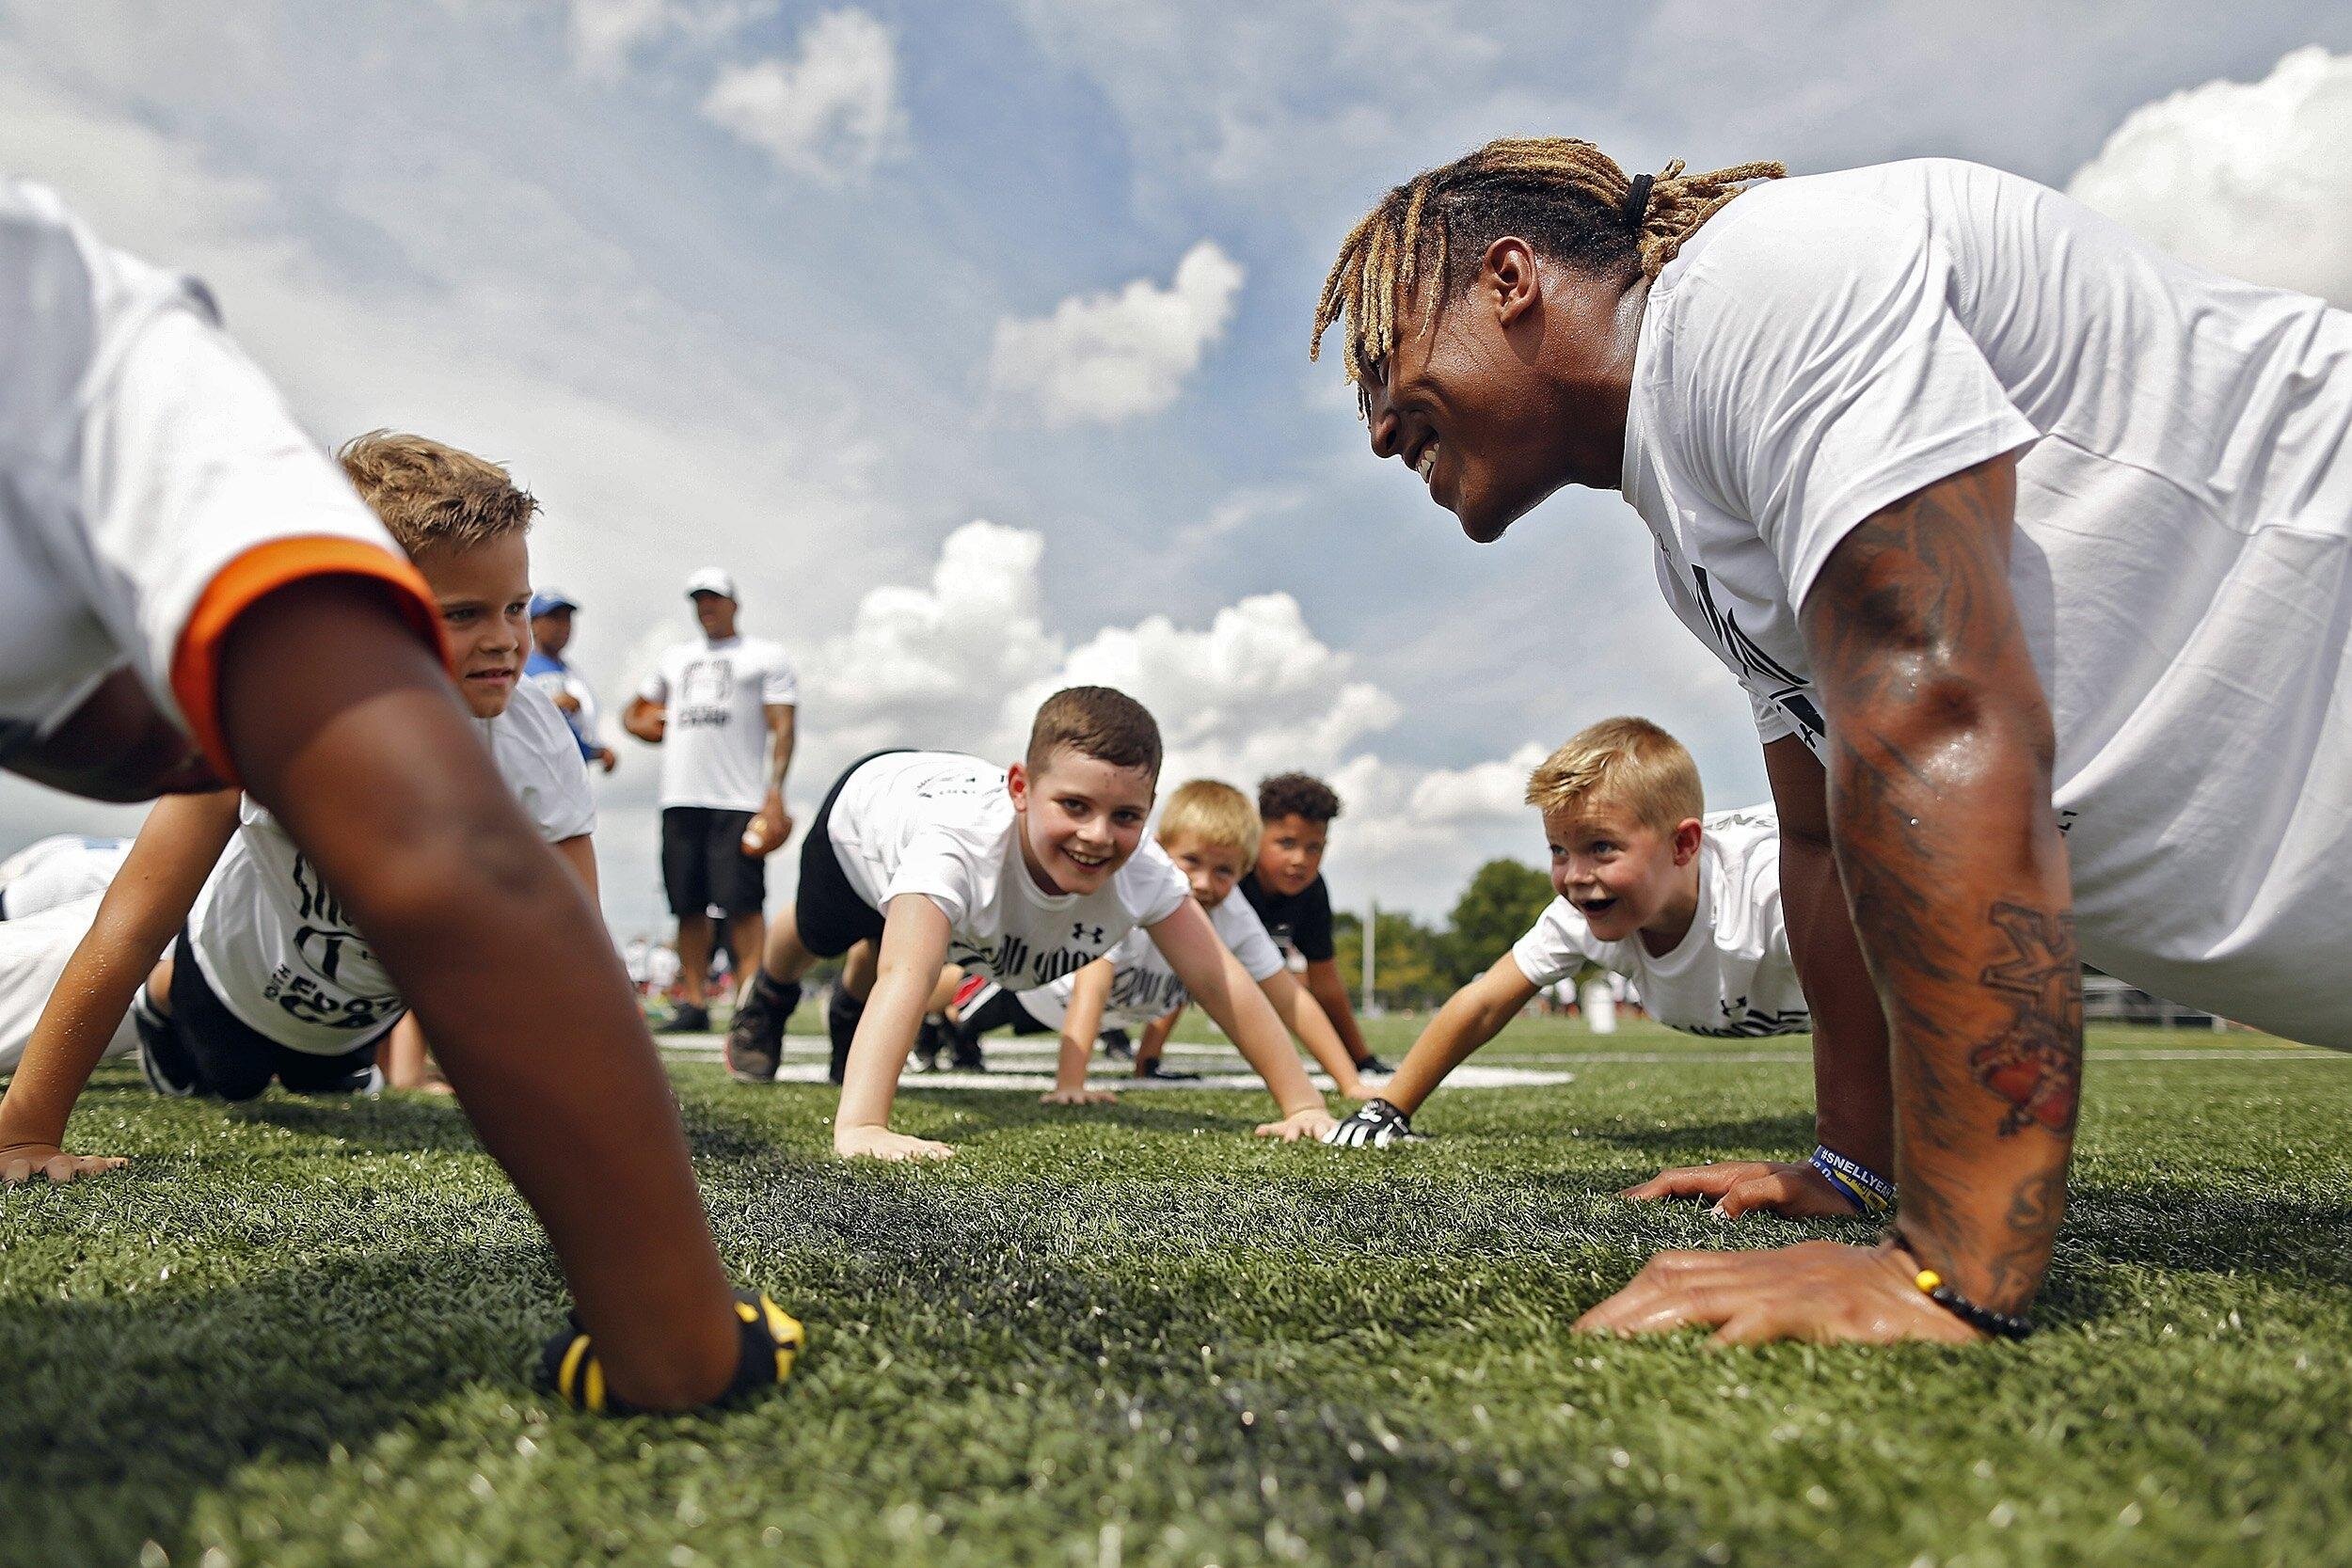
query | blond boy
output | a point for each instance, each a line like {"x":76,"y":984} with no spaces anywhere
{"x":1687,"y":906}
{"x":1210,"y":830}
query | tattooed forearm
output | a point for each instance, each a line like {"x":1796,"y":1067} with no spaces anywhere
{"x":1939,"y":760}
{"x":2036,"y":1064}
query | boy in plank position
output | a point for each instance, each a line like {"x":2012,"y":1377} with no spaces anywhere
{"x":1688,"y":906}
{"x":1210,"y":832}
{"x":1287,"y":890}
{"x":1026,"y":874}
{"x":266,"y":979}
{"x":191,"y":595}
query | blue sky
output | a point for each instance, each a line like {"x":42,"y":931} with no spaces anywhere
{"x":803,"y":290}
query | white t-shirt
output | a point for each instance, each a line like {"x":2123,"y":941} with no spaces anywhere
{"x":62,"y":869}
{"x":715,"y":751}
{"x":275,"y":944}
{"x":140,"y":452}
{"x":1143,"y":986}
{"x":2181,"y":565}
{"x":940,"y":823}
{"x":1731,"y":973}
{"x":33,"y":955}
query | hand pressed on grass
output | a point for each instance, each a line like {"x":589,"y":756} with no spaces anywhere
{"x":21,"y":1162}
{"x":1818,"y":1290}
{"x":1078,"y":1097}
{"x":881,"y":1143}
{"x":1311,"y":1122}
{"x":1751,"y":1186}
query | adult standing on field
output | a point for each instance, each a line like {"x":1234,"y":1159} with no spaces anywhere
{"x":721,"y":707}
{"x":2033,"y":547}
{"x":552,"y":611}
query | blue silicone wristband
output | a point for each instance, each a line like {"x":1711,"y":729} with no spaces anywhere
{"x":1870,"y":1192}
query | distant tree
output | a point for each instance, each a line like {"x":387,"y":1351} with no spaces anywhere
{"x":1504,"y":898}
{"x":1410,"y":968}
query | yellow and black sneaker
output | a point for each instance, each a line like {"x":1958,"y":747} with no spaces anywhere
{"x":772,"y":1341}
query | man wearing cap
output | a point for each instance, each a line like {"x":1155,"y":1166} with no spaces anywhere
{"x":721,"y":707}
{"x":550,"y":634}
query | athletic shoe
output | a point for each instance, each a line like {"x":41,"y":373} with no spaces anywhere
{"x":169,"y":1068}
{"x":770,"y":1341}
{"x":755,"y":1036}
{"x":1374,"y":1124}
{"x":841,"y":1015}
{"x":1373,"y":1066}
{"x":964,"y":1052}
{"x":687,"y":1019}
{"x":1117,"y":1046}
{"x":932,"y":1038}
{"x":365,"y":1083}
{"x":1156,"y":1068}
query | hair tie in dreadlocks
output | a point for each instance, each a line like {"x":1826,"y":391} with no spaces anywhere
{"x":1637,"y":199}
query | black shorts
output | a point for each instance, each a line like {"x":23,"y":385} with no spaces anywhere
{"x":235,"y":1061}
{"x":702,"y":863}
{"x":994,"y":1007}
{"x":833,"y":915}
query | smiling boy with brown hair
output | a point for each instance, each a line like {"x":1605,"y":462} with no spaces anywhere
{"x":1023,"y":874}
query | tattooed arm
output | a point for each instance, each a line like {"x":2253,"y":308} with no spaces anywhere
{"x":1939,"y":788}
{"x":1938,"y":771}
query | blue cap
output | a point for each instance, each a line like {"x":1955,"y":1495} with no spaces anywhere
{"x":549,"y":600}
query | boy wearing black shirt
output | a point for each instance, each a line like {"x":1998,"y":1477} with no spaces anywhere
{"x":1287,"y":892}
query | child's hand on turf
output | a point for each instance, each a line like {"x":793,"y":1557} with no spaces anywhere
{"x":1078,"y":1097}
{"x":1750,"y":1187}
{"x":881,"y":1143}
{"x":23,"y":1161}
{"x":1313,"y":1122}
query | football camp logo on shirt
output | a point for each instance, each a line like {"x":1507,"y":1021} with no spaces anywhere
{"x":706,"y":694}
{"x":325,"y":941}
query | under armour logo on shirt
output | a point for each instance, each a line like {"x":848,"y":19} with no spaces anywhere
{"x":1078,"y":933}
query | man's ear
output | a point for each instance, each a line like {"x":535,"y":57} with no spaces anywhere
{"x":1688,"y":833}
{"x":1509,"y":278}
{"x":1017,"y":786}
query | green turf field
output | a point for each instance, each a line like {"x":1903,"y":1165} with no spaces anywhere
{"x":298,"y":1335}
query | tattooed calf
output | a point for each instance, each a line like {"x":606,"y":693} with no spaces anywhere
{"x":2037,"y":1065}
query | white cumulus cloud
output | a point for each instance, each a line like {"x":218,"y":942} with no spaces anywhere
{"x":828,"y":112}
{"x":2252,"y":179}
{"x":961,"y":662}
{"x":1111,"y":357}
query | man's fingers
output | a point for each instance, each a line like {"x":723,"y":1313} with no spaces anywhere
{"x":1774,"y":1195}
{"x":1695,"y":1180}
{"x":16,"y":1170}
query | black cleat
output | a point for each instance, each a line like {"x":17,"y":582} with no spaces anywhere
{"x":1373,"y":1065}
{"x":1152,"y":1068}
{"x":1117,"y":1046}
{"x":755,"y":1036}
{"x":687,"y":1018}
{"x":170,"y":1069}
{"x":932,"y":1038}
{"x":841,"y":1016}
{"x":963,"y":1053}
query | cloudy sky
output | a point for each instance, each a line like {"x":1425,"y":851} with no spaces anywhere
{"x":970,"y":334}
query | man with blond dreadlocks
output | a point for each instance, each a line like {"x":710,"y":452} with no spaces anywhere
{"x":2033,"y":550}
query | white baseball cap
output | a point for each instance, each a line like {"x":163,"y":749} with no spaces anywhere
{"x":710,"y":580}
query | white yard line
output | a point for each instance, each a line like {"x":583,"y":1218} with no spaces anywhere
{"x":1029,"y":1065}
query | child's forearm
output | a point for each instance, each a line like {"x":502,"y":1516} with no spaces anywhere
{"x":141,"y":912}
{"x":1331,"y":991}
{"x":1307,"y":1020}
{"x":906,"y":970}
{"x":1470,"y":1018}
{"x":1248,"y":1020}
